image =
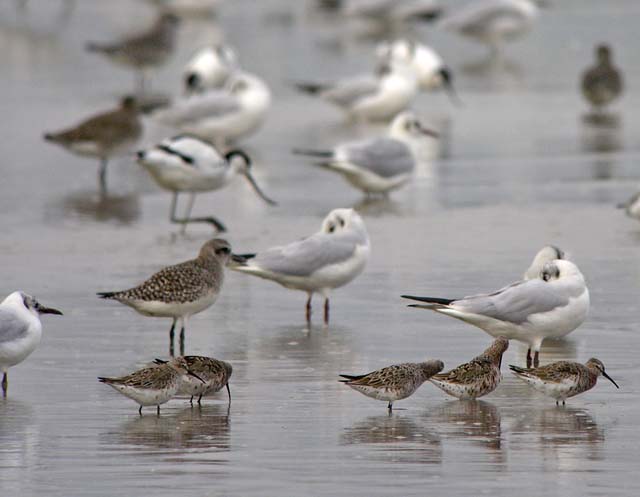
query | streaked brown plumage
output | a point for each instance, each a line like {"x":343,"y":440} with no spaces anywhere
{"x":477,"y":377}
{"x":563,"y":379}
{"x":145,"y":50}
{"x":393,"y":382}
{"x":103,"y":135}
{"x":182,"y":290}
{"x":602,"y":83}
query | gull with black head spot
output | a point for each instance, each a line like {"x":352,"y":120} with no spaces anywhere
{"x":20,"y":330}
{"x":326,"y":260}
{"x":378,"y":165}
{"x":180,"y":291}
{"x":546,"y":254}
{"x":192,"y":165}
{"x":211,"y":68}
{"x":529,"y":311}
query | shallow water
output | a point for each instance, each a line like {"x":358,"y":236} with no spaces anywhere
{"x":518,"y":167}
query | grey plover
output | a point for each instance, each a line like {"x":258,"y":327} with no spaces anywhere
{"x":326,"y":260}
{"x":143,"y":51}
{"x":214,"y":374}
{"x":103,"y":136}
{"x":20,"y":330}
{"x":180,"y":291}
{"x":152,"y":386}
{"x":602,"y":83}
{"x":477,"y":377}
{"x":393,"y":382}
{"x":563,"y":379}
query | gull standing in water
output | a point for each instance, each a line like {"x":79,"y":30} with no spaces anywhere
{"x":602,"y":83}
{"x":395,"y":382}
{"x":492,"y":21}
{"x":429,"y":67}
{"x":563,"y":379}
{"x":145,"y":50}
{"x":475,"y":378}
{"x":550,"y":306}
{"x":180,"y":291}
{"x":373,"y":98}
{"x":20,"y":331}
{"x":377,"y":165}
{"x":103,"y":136}
{"x":189,"y":164}
{"x":326,"y":260}
{"x":210,"y":69}
{"x":221,"y":116}
{"x":546,"y":254}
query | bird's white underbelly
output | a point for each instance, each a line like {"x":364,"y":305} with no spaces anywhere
{"x":383,"y":105}
{"x":147,"y":396}
{"x":174,"y":309}
{"x":15,"y":351}
{"x":370,"y":182}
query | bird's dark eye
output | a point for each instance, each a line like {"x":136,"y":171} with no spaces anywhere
{"x":331,"y":228}
{"x":223,"y":250}
{"x":341,"y":221}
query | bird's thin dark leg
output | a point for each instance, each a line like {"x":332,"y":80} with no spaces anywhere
{"x":191,"y":401}
{"x":5,"y":384}
{"x":158,"y":410}
{"x":308,"y":314}
{"x":229,"y":392}
{"x":185,"y":220}
{"x":171,"y":336}
{"x":536,"y":359}
{"x":390,"y":406}
{"x":200,"y":400}
{"x":140,"y":411}
{"x":326,"y":311}
{"x":528,"y":357}
{"x":102,"y":176}
{"x":182,"y":339}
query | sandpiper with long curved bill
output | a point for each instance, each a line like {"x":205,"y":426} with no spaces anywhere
{"x":393,"y":382}
{"x":20,"y":331}
{"x":152,"y":386}
{"x":563,"y":379}
{"x":476,"y":378}
{"x":326,"y":260}
{"x":192,"y":165}
{"x":180,"y":291}
{"x":529,"y":311}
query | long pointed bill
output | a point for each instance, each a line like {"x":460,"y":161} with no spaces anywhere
{"x":238,"y":259}
{"x":257,"y":189}
{"x":49,"y":310}
{"x":610,"y":379}
{"x":428,"y":132}
{"x":195,"y":376}
{"x":447,"y":83}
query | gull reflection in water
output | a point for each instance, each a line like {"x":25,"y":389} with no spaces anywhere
{"x":124,"y":209}
{"x":206,"y":427}
{"x":565,"y":436}
{"x":398,"y":438}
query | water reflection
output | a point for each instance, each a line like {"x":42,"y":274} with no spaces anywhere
{"x":600,"y":137}
{"x":121,"y":208}
{"x":498,"y":72}
{"x":205,"y":427}
{"x":19,"y":444}
{"x":411,"y":441}
{"x":378,"y":206}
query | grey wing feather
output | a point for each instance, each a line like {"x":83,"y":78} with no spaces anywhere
{"x":514,"y":303}
{"x":348,"y":92}
{"x":477,"y":16}
{"x":212,"y":104}
{"x":304,"y":257}
{"x":11,"y":327}
{"x":385,"y":157}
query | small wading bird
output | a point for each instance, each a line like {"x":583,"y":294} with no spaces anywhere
{"x":103,"y":136}
{"x":393,"y":382}
{"x":191,"y":165}
{"x":563,"y":379}
{"x":326,"y":260}
{"x":475,"y":378}
{"x":529,"y":311}
{"x":214,"y":374}
{"x":143,"y":51}
{"x":20,"y":331}
{"x":602,"y":83}
{"x":180,"y":291}
{"x":377,"y":165}
{"x":152,"y":386}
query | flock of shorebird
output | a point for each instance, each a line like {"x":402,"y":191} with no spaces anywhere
{"x":224,"y":103}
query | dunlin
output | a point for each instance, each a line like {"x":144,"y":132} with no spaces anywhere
{"x":602,"y":83}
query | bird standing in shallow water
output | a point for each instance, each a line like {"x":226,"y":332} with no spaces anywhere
{"x":602,"y":83}
{"x":20,"y":331}
{"x":328,"y":259}
{"x":563,"y":379}
{"x":103,"y":136}
{"x":477,"y":377}
{"x":393,"y":382}
{"x":182,"y":290}
{"x":152,"y":386}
